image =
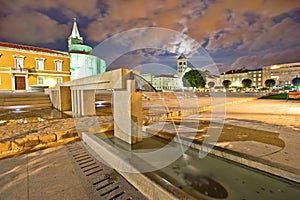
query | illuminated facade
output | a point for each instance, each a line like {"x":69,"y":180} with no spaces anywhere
{"x":182,"y":66}
{"x":82,"y":63}
{"x":283,"y":74}
{"x":25,"y":67}
{"x":237,"y":76}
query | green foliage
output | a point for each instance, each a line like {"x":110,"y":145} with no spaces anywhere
{"x":226,"y":83}
{"x":247,"y":83}
{"x":264,"y":88}
{"x":296,"y":81}
{"x":194,"y":79}
{"x":281,"y":96}
{"x":270,"y":82}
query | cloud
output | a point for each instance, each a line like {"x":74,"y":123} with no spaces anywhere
{"x":33,"y":27}
{"x":70,"y":8}
{"x":237,"y":27}
{"x":253,"y":62}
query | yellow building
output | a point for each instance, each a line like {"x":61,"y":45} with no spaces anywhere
{"x":27,"y":68}
{"x":283,"y":74}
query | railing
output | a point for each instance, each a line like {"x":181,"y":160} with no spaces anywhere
{"x":19,"y":70}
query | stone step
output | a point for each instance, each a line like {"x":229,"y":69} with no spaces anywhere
{"x":24,"y":100}
{"x":14,"y":107}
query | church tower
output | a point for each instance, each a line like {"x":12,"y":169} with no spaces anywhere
{"x":82,"y":62}
{"x":75,"y":42}
{"x":181,"y":65}
{"x":75,"y":38}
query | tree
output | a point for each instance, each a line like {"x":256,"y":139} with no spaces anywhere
{"x":296,"y":81}
{"x":211,"y":84}
{"x":247,"y":82}
{"x":194,"y":79}
{"x":270,"y":82}
{"x":226,"y":83}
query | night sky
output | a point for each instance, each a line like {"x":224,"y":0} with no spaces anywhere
{"x":235,"y":33}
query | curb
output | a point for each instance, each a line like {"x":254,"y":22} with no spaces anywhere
{"x":32,"y":142}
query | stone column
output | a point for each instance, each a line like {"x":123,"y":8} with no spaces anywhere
{"x":73,"y":101}
{"x":127,"y":107}
{"x":87,"y":102}
{"x":65,"y":98}
{"x":78,"y":102}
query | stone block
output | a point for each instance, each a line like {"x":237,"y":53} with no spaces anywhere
{"x":66,"y":134}
{"x":31,"y":141}
{"x":5,"y":146}
{"x":18,"y":144}
{"x":47,"y":138}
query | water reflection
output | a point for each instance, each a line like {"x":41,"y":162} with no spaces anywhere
{"x":47,"y":113}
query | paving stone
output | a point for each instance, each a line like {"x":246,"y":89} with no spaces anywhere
{"x":47,"y":138}
{"x":5,"y":146}
{"x":31,"y":140}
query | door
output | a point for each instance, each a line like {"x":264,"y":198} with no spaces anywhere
{"x":20,"y":83}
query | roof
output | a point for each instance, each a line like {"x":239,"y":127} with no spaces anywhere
{"x":75,"y":32}
{"x":29,"y":48}
{"x":243,"y":70}
{"x":181,"y":56}
{"x":165,"y":75}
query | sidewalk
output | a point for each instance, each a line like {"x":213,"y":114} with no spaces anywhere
{"x":65,"y":172}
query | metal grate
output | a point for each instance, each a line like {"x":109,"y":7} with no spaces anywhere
{"x":100,"y":181}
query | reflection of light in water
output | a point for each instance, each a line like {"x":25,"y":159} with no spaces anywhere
{"x":100,"y":104}
{"x":18,"y":110}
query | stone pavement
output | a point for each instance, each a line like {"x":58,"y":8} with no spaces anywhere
{"x":54,"y":174}
{"x":65,"y":172}
{"x":278,"y":117}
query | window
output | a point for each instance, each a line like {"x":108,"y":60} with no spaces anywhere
{"x":40,"y":80}
{"x":19,"y":62}
{"x":58,"y":80}
{"x":58,"y":65}
{"x":39,"y":63}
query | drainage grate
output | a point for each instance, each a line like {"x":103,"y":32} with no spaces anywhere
{"x":100,"y":181}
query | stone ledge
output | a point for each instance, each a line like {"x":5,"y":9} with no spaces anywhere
{"x":35,"y":142}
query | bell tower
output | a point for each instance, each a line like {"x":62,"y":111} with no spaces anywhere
{"x":181,"y":64}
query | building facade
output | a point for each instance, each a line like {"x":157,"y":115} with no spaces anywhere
{"x":174,"y":82}
{"x":283,"y":74}
{"x":26,"y":67}
{"x":165,"y":82}
{"x":237,"y":76}
{"x":83,"y":63}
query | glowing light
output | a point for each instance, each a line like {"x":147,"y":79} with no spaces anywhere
{"x":50,"y":82}
{"x":275,"y":67}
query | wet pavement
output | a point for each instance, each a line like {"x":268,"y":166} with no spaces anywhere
{"x":275,"y":118}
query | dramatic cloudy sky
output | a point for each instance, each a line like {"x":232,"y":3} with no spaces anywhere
{"x":235,"y":33}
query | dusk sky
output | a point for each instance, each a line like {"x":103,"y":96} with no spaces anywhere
{"x":235,"y":33}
